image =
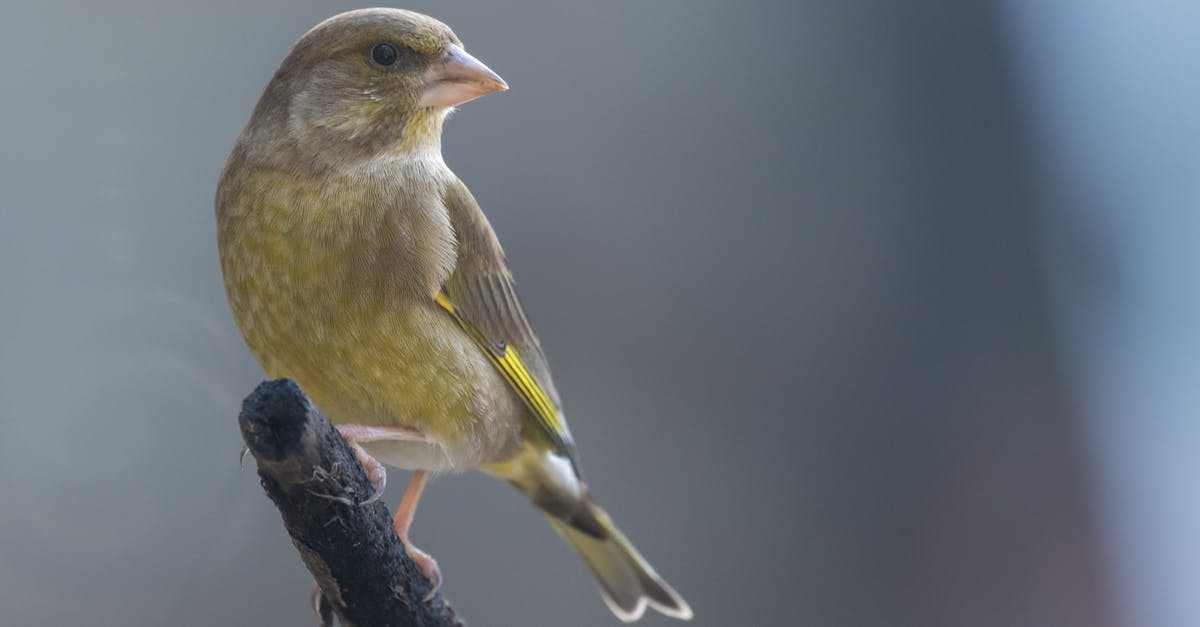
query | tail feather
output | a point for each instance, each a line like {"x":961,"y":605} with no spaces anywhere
{"x":626,"y":580}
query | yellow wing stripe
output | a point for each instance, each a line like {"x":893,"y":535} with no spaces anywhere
{"x":513,"y":369}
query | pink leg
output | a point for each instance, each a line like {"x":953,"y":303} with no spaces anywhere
{"x":355,"y":435}
{"x":403,"y":520}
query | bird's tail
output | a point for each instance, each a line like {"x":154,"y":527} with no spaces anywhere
{"x":626,"y":579}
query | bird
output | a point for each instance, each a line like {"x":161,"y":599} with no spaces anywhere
{"x":359,"y":265}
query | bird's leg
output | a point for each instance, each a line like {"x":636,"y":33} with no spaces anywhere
{"x":357,"y":434}
{"x":403,"y":520}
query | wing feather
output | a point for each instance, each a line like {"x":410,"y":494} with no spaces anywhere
{"x":481,"y":295}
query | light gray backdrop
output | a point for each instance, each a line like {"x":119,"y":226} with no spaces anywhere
{"x":781,"y":255}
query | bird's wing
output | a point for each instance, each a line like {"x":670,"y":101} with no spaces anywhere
{"x":481,"y":295}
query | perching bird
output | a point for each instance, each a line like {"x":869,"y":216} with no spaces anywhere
{"x":359,"y":265}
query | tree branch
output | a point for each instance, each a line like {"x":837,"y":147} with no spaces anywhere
{"x":351,"y":550}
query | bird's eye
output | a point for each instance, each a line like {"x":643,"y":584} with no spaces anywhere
{"x":384,"y":54}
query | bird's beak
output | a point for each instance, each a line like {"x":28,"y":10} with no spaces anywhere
{"x":458,"y":77}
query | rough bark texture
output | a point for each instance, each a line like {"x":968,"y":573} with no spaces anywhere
{"x":351,"y":550}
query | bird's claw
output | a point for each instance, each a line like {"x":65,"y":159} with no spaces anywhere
{"x":378,"y":481}
{"x":429,"y":568}
{"x":376,"y":473}
{"x":321,"y":606}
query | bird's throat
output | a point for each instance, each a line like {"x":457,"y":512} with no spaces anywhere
{"x":422,"y":132}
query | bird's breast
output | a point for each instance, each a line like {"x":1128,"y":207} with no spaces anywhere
{"x":332,"y":284}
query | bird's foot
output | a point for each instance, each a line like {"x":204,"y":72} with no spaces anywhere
{"x":321,"y":606}
{"x":376,"y":473}
{"x":357,"y":434}
{"x":428,"y":566}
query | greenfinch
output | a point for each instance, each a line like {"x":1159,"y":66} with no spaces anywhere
{"x":359,"y":265}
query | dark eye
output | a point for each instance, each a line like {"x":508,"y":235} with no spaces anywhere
{"x":383,"y":54}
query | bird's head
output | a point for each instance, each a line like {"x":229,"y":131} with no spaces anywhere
{"x":372,"y":80}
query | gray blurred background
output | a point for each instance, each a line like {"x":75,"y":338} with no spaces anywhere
{"x":865,"y":313}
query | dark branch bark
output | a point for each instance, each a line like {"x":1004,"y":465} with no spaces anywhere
{"x":351,"y":550}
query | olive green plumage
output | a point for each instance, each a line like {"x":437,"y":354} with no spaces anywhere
{"x":357,"y":264}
